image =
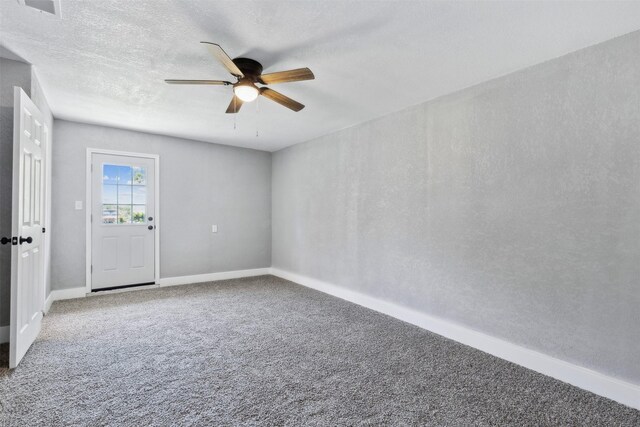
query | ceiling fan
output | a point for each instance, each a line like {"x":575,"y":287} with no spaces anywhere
{"x":248,"y":73}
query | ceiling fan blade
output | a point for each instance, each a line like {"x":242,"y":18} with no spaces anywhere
{"x":222,"y":56}
{"x":196,"y":82}
{"x":281,"y":99}
{"x":287,"y":76}
{"x":234,"y":105}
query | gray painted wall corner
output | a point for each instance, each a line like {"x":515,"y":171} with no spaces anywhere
{"x":510,"y":207}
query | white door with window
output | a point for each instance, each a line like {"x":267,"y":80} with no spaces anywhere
{"x":123,"y":219}
{"x":27,"y":254}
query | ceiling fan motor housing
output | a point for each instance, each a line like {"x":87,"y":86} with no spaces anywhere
{"x":250,"y":68}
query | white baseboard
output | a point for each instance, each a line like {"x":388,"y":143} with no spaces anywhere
{"x":81,"y":292}
{"x":61,"y":294}
{"x":212,"y":277}
{"x":71,"y":293}
{"x":4,"y":334}
{"x":587,"y":379}
{"x":48,"y":302}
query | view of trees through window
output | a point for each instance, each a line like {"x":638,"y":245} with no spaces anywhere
{"x":124,"y":194}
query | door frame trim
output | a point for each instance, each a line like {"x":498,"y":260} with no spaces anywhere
{"x":89,"y":207}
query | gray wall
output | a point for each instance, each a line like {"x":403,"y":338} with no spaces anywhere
{"x":512,"y":208}
{"x":200,"y":184}
{"x":12,"y":73}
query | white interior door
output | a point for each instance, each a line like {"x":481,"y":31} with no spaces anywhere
{"x":122,"y":220}
{"x":27,"y":258}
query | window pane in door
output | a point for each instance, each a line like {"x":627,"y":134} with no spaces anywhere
{"x":139,"y":216}
{"x":139,"y":176}
{"x":124,"y":194}
{"x":139,"y":195}
{"x":109,"y":214}
{"x":124,"y":214}
{"x":124,"y":175}
{"x":109,"y":194}
{"x":109,"y":174}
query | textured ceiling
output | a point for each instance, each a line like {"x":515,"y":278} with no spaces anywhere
{"x":104,"y":61}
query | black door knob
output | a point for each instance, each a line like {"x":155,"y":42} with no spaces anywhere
{"x":150,"y":227}
{"x":28,"y":239}
{"x":150,"y":218}
{"x":5,"y":240}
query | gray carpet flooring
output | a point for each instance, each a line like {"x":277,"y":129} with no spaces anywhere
{"x":263,"y":351}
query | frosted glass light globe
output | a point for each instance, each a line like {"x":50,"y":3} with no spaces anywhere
{"x":246,"y":93}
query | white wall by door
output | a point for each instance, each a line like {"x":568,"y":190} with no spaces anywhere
{"x":122,"y":219}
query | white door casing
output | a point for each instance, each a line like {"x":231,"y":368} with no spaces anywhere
{"x":27,"y":250}
{"x":123,"y":220}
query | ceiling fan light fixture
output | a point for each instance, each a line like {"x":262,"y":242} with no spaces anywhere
{"x":246,"y":92}
{"x":248,"y":73}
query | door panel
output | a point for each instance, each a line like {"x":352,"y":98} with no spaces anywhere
{"x":27,"y":262}
{"x":123,"y":218}
{"x":109,"y":253}
{"x":137,"y":251}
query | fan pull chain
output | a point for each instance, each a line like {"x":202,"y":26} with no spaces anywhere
{"x":235,"y":112}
